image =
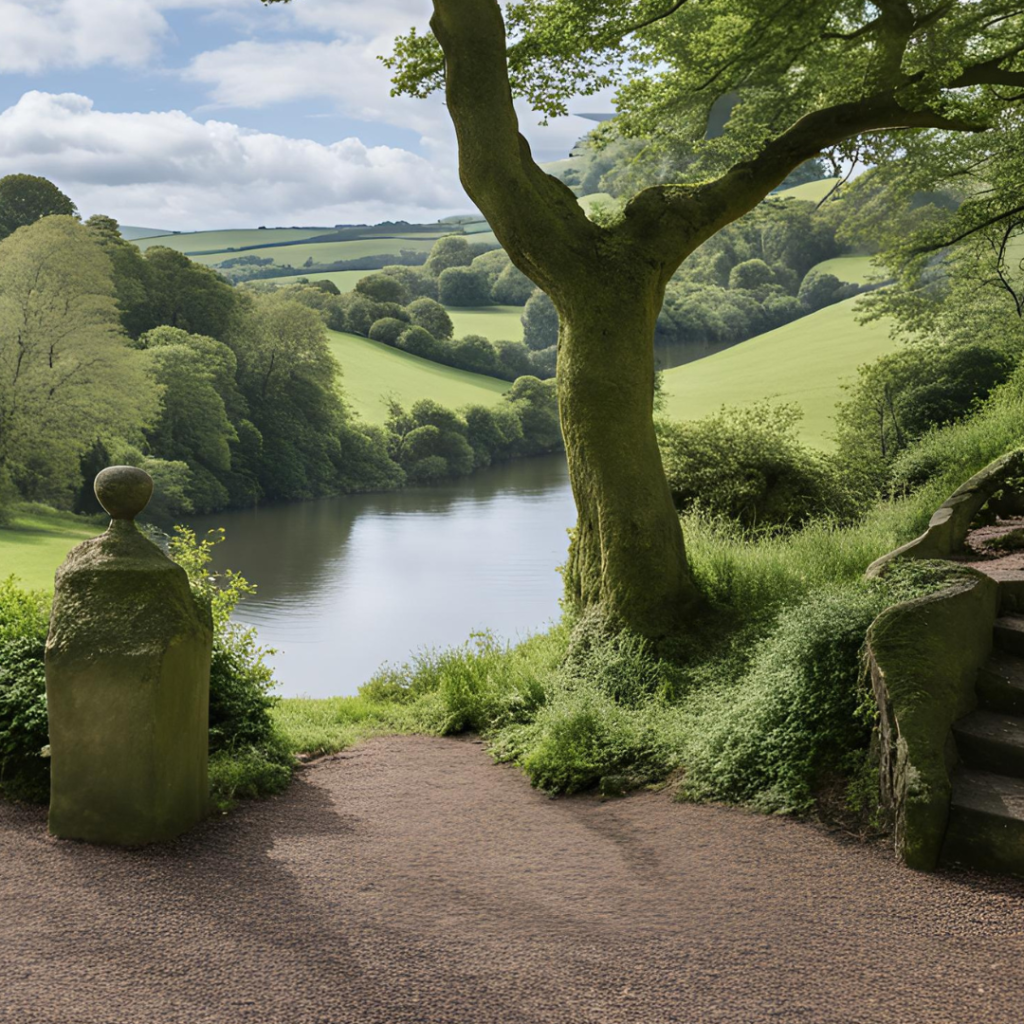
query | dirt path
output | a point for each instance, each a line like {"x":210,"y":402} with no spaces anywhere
{"x":412,"y":880}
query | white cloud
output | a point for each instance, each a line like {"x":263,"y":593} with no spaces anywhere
{"x":77,"y":33}
{"x":253,"y":74}
{"x":173,"y":171}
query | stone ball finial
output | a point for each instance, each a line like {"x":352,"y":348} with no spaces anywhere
{"x":123,"y":491}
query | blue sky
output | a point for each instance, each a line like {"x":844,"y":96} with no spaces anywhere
{"x":189,"y":114}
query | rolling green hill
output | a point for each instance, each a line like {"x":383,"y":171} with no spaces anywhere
{"x":809,"y":191}
{"x":804,"y":363}
{"x":133,"y":233}
{"x":222,"y":241}
{"x":373,"y":372}
{"x":325,"y":252}
{"x":855,"y":269}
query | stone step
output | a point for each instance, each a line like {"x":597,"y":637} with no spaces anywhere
{"x":986,"y":823}
{"x":991,"y":741}
{"x":1011,"y":589}
{"x":1000,"y":684}
{"x":1008,"y":634}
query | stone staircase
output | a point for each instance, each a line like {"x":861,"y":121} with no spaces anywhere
{"x":986,"y":819}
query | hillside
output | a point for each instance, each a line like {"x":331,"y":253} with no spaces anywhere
{"x":39,"y":542}
{"x":805,"y":362}
{"x":373,"y":372}
{"x":497,"y":323}
{"x":809,"y":191}
{"x":855,"y":269}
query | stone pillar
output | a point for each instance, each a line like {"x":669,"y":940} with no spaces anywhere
{"x":127,"y":683}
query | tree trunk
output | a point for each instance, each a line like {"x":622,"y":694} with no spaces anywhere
{"x":627,"y":557}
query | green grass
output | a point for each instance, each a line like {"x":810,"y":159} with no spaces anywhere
{"x":211,"y":241}
{"x":39,"y":541}
{"x":809,"y":191}
{"x":344,"y":280}
{"x":496,"y":323}
{"x":588,"y":202}
{"x":855,"y":269}
{"x":373,"y":372}
{"x":325,"y":252}
{"x":804,"y":363}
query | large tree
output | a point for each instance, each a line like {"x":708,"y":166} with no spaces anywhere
{"x":66,"y":375}
{"x":24,"y":198}
{"x":806,"y":77}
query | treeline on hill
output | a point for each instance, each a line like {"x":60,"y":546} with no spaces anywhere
{"x":226,"y":397}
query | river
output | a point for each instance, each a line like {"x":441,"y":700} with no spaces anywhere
{"x":347,"y":584}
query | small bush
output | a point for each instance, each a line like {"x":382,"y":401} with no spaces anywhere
{"x":24,"y":771}
{"x":748,"y":465}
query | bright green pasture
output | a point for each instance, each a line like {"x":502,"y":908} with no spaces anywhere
{"x":496,"y":323}
{"x":220,"y":241}
{"x":38,"y":542}
{"x":855,"y":269}
{"x":325,"y":252}
{"x":344,"y":280}
{"x":597,"y":199}
{"x":809,"y":191}
{"x":804,"y":363}
{"x":374,"y":372}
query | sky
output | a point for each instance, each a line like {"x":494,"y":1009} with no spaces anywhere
{"x":199,"y":114}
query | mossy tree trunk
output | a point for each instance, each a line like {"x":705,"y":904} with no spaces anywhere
{"x":608,"y":284}
{"x":627,"y":554}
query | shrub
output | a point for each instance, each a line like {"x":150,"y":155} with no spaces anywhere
{"x":449,"y":251}
{"x":383,"y":288}
{"x":420,"y":342}
{"x":24,"y":771}
{"x":513,"y":287}
{"x":747,"y":465}
{"x":247,"y":758}
{"x":431,"y":316}
{"x":464,"y":286}
{"x":474,"y":352}
{"x":540,"y":322}
{"x":820,"y":290}
{"x":388,"y":330}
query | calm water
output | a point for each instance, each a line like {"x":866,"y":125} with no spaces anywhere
{"x":346,"y":584}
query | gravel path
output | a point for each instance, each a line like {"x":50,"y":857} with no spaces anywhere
{"x":412,"y":880}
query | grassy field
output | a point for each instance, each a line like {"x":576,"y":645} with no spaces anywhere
{"x":213,"y":241}
{"x":344,"y":280}
{"x":374,"y":372}
{"x":809,"y":191}
{"x":325,"y":252}
{"x":39,"y":541}
{"x":497,"y":323}
{"x":855,"y":269}
{"x":804,"y":363}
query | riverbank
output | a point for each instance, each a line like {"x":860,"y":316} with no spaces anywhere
{"x":383,"y":888}
{"x":38,"y":540}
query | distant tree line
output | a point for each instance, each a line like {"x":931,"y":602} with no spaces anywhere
{"x":226,"y":396}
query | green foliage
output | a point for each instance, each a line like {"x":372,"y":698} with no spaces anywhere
{"x":540,"y":322}
{"x":66,"y":375}
{"x":449,"y":251}
{"x":512,"y":288}
{"x":747,"y":465}
{"x":387,"y":330}
{"x":24,"y":619}
{"x":247,"y":756}
{"x":383,"y":288}
{"x":463,"y":286}
{"x":432,"y":316}
{"x":25,"y":198}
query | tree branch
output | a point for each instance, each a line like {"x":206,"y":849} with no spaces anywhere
{"x":678,"y":218}
{"x":535,"y":217}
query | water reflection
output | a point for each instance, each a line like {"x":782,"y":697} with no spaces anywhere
{"x":348,"y":583}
